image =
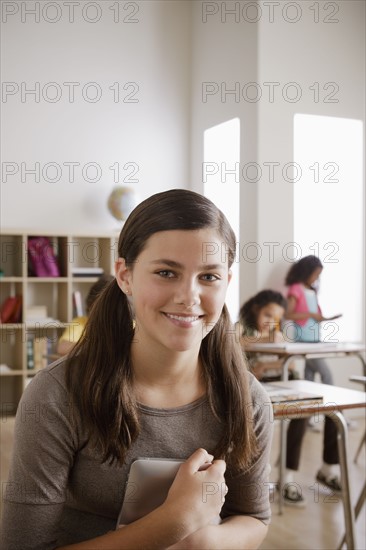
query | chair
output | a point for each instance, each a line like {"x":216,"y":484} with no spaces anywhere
{"x":362,"y":497}
{"x":361,"y":380}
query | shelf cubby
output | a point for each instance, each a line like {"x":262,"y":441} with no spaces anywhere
{"x":53,"y":296}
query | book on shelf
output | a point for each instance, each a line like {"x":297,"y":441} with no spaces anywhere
{"x":37,"y":351}
{"x":38,"y":316}
{"x":35,"y":312}
{"x":283,"y":397}
{"x":87,"y":271}
{"x":45,"y":322}
{"x":77,"y":304}
{"x":30,"y":354}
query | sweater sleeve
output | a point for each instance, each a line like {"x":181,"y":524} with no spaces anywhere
{"x":249,"y":491}
{"x":44,"y":443}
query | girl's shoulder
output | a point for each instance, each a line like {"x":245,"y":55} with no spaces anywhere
{"x":257,"y":391}
{"x":49,"y":384}
{"x":295,"y":289}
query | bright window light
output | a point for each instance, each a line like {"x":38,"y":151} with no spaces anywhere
{"x":328,"y":215}
{"x":220,"y":174}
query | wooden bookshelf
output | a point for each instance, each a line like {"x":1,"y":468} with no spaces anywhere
{"x":55,"y":294}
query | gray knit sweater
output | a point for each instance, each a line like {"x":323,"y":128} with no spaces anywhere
{"x":58,"y":491}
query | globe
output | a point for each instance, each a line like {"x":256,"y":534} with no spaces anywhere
{"x":121,"y":202}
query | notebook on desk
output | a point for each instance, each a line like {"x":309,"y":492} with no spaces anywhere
{"x":292,"y":346}
{"x":282,"y":397}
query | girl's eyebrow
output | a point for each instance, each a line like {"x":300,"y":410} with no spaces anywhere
{"x":173,"y":263}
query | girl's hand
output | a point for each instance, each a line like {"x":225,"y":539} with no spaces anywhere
{"x":333,"y":317}
{"x":278,"y":337}
{"x":198,"y":491}
{"x":317,"y":317}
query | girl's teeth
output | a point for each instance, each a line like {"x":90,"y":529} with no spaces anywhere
{"x":186,"y":319}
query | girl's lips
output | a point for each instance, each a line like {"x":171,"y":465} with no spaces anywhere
{"x":182,"y":320}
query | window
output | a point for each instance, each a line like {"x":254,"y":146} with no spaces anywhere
{"x":220,"y":173}
{"x":328,"y":215}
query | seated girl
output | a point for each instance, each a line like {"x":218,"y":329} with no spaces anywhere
{"x":260,"y":320}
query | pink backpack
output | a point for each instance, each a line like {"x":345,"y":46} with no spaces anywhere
{"x":42,"y":259}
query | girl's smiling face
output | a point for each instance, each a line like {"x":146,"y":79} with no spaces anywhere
{"x":178,"y":287}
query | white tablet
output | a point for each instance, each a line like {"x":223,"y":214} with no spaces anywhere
{"x":147,"y":487}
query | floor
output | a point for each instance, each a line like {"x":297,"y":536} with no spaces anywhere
{"x":318,"y":526}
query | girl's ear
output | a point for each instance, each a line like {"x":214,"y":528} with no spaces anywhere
{"x":123,"y":275}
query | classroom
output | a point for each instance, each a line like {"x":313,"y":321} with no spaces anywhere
{"x":257,"y":105}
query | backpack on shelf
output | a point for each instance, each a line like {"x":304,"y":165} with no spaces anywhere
{"x":42,"y":260}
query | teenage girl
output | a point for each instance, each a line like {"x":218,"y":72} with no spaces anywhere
{"x":157,"y":373}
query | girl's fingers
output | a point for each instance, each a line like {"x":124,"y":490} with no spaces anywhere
{"x":220,"y":465}
{"x":198,"y":459}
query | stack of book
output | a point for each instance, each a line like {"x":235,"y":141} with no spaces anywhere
{"x":37,"y":315}
{"x":37,"y":350}
{"x":284,"y":398}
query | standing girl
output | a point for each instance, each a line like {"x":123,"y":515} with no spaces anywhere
{"x":166,"y":381}
{"x":303,"y":309}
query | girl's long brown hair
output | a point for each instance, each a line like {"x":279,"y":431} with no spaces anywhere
{"x":99,"y":373}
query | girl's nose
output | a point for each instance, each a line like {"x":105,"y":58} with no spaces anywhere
{"x":187,"y":295}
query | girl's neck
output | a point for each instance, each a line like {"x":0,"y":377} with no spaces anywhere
{"x":167,"y":379}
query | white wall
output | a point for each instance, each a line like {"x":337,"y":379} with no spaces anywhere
{"x":304,"y":52}
{"x":225,"y":53}
{"x":270,"y":46}
{"x":152,"y":53}
{"x":172,"y":49}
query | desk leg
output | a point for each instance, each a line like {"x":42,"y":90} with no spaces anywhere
{"x":282,"y":464}
{"x":284,"y":374}
{"x":283,"y":444}
{"x":349,"y":516}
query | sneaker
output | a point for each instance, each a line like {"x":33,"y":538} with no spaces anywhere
{"x":333,"y":483}
{"x":292,"y":497}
